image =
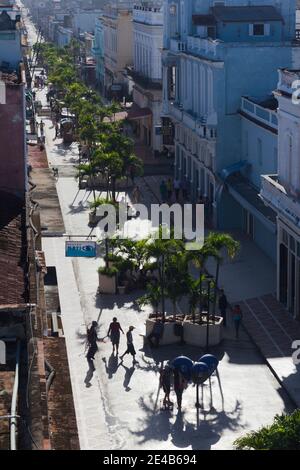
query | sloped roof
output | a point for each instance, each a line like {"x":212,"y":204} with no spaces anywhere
{"x":204,"y":20}
{"x":12,"y":250}
{"x":246,"y":13}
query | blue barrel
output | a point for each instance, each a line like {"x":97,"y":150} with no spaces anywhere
{"x":184,"y":365}
{"x":200,"y":373}
{"x":211,"y":361}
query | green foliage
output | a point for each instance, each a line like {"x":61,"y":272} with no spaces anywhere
{"x":110,"y":272}
{"x":152,"y":296}
{"x":283,"y":434}
{"x":100,"y":201}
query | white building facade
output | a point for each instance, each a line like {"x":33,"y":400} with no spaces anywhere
{"x":118,"y":47}
{"x":214,"y":53}
{"x":147,"y":73}
{"x":282,"y":192}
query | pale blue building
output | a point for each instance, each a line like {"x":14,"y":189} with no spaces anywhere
{"x":213,"y":56}
{"x":98,"y":53}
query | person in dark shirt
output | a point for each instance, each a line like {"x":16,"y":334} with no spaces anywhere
{"x":180,"y":384}
{"x":223,"y":304}
{"x":92,"y":339}
{"x":156,"y":333}
{"x":114,"y":333}
{"x":165,"y":383}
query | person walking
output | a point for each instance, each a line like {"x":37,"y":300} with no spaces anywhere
{"x":92,"y":338}
{"x":56,"y":130}
{"x":114,"y":333}
{"x":165,"y":383}
{"x":42,"y":127}
{"x":163,"y":191}
{"x":179,"y":385}
{"x":184,"y":188}
{"x":136,"y":195}
{"x":176,"y":189}
{"x":130,"y":347}
{"x":237,"y":319}
{"x":169,"y":189}
{"x":156,"y":333}
{"x":223,"y":304}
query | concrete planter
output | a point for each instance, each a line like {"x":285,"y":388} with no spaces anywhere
{"x":168,"y":334}
{"x":107,"y":284}
{"x":121,"y":290}
{"x":195,"y":334}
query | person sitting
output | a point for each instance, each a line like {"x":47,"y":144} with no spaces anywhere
{"x":157,"y":333}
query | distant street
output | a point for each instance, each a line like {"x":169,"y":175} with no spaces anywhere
{"x":119,"y":406}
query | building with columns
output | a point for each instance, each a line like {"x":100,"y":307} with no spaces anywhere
{"x":281,"y":191}
{"x":146,"y":73}
{"x":213,"y":55}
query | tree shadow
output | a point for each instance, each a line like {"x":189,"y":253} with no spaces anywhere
{"x":126,"y":301}
{"x":203,"y":434}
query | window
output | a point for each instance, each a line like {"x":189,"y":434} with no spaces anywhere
{"x":259,"y":29}
{"x":173,"y":10}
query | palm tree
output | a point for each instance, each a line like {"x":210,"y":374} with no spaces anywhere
{"x":218,"y":242}
{"x":176,"y":274}
{"x":152,"y":297}
{"x":199,"y":259}
{"x":160,"y":249}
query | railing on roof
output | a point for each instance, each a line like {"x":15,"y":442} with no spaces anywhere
{"x":266,"y":116}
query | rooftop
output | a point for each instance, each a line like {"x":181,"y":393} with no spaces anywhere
{"x":12,"y":250}
{"x":246,"y":13}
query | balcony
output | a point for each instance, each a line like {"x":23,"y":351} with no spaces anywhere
{"x":151,"y":16}
{"x":286,"y":80}
{"x":176,"y":45}
{"x":276,"y":196}
{"x":145,"y":82}
{"x":259,"y":113}
{"x":204,"y":46}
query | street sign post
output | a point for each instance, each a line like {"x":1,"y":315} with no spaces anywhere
{"x":81,"y":249}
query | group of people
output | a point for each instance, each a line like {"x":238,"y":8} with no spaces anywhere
{"x":114,"y":332}
{"x":168,"y":376}
{"x":40,"y":80}
{"x":237,"y":314}
{"x":169,"y":188}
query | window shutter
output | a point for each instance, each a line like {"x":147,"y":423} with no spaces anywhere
{"x":250,"y":29}
{"x":267,"y":29}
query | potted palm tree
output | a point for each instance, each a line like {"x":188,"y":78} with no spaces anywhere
{"x":219,"y":243}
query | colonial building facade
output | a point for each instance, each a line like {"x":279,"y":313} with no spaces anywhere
{"x":98,"y":53}
{"x":146,"y":73}
{"x":213,"y":55}
{"x":281,"y":191}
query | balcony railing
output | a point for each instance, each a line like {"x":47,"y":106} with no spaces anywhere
{"x":203,"y":46}
{"x":276,"y":196}
{"x":176,"y":45}
{"x":265,"y":116}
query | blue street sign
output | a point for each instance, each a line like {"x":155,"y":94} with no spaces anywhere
{"x":81,"y":249}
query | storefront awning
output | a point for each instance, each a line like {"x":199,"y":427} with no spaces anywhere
{"x":235,"y":168}
{"x":248,"y":197}
{"x":135,"y":112}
